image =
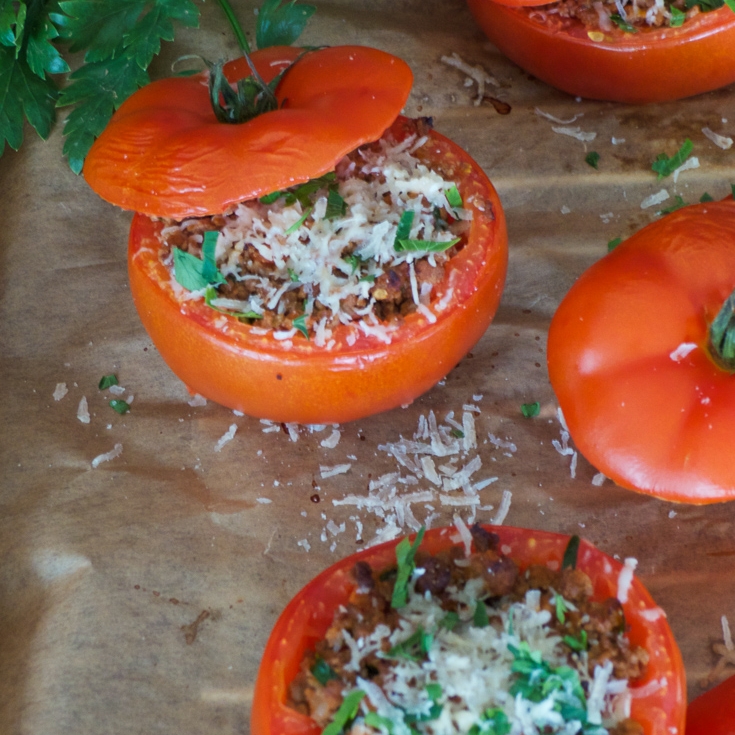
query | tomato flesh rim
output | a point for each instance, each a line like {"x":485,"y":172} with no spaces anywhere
{"x":309,"y":614}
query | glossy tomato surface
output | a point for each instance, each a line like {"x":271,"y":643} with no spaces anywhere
{"x":629,"y":359}
{"x":713,"y":713}
{"x":647,"y":66}
{"x":659,"y":709}
{"x":236,"y":365}
{"x":164,"y":153}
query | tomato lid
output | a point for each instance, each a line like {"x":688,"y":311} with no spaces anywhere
{"x":164,"y":153}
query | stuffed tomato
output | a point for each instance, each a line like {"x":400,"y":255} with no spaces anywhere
{"x":633,"y":52}
{"x":322,"y":262}
{"x":496,"y":630}
{"x":641,"y":356}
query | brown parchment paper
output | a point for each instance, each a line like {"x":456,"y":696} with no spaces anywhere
{"x":137,"y":596}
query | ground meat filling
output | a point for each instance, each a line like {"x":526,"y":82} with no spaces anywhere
{"x":545,"y":618}
{"x":364,"y":246}
{"x":619,"y":16}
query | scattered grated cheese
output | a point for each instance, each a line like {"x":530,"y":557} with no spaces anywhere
{"x":339,"y":469}
{"x":116,"y":451}
{"x":332,"y":440}
{"x":682,"y":351}
{"x":304,"y":544}
{"x":598,"y":479}
{"x":197,"y":401}
{"x":625,"y":578}
{"x":576,"y":133}
{"x":654,"y":199}
{"x":83,"y":411}
{"x":264,"y":501}
{"x":652,"y":614}
{"x":726,"y":635}
{"x":557,"y":120}
{"x":228,"y":436}
{"x":60,"y":391}
{"x":502,"y":513}
{"x":690,"y":163}
{"x":721,"y":141}
{"x":476,"y":73}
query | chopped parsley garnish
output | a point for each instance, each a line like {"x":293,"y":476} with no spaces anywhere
{"x":322,"y":671}
{"x":592,"y":159}
{"x":577,"y":644}
{"x":449,"y":621}
{"x":415,"y":647}
{"x":373,"y":719}
{"x":120,"y":406}
{"x":106,"y":381}
{"x":560,"y":607}
{"x":571,"y":553}
{"x":345,"y":714}
{"x":678,"y":204}
{"x":665,"y":165}
{"x":454,"y":197}
{"x":405,"y":554}
{"x":300,"y":324}
{"x":612,"y":244}
{"x":457,"y":433}
{"x":193,"y":273}
{"x":623,"y":24}
{"x":272,"y":197}
{"x":479,"y":617}
{"x":210,"y":293}
{"x":706,"y":198}
{"x":404,"y":227}
{"x":424,"y":246}
{"x":492,"y":722}
{"x":529,"y":410}
{"x":354,"y":260}
{"x":336,"y":205}
{"x":300,"y":221}
{"x":677,"y":17}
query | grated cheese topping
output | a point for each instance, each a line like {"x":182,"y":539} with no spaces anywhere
{"x":293,"y":265}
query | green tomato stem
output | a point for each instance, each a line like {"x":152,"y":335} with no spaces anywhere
{"x":236,"y":27}
{"x":722,"y":335}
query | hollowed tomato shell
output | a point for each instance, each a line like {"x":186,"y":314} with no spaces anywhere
{"x":648,"y":66}
{"x":296,"y":381}
{"x":659,"y":699}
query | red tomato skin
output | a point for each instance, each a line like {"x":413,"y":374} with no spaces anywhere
{"x":164,"y":153}
{"x":713,"y":713}
{"x":650,"y":422}
{"x":648,"y":66}
{"x":223,"y":360}
{"x":309,"y":614}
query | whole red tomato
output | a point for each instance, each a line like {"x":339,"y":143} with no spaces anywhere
{"x":713,"y":713}
{"x":659,"y":709}
{"x":647,"y":66}
{"x":647,"y":399}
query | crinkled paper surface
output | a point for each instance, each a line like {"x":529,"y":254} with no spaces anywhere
{"x":137,"y":595}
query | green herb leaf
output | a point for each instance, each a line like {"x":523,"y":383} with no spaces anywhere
{"x":405,"y":555}
{"x":677,"y":17}
{"x":106,"y":381}
{"x":623,"y":24}
{"x":493,"y":722}
{"x":210,"y":294}
{"x":454,"y":197}
{"x":193,"y":273}
{"x":665,"y":165}
{"x":120,"y":406}
{"x":295,"y":226}
{"x":415,"y":647}
{"x":577,"y":644}
{"x":612,"y":244}
{"x":479,"y":617}
{"x":457,"y":433}
{"x":730,"y":4}
{"x":322,"y":671}
{"x":281,"y":23}
{"x":270,"y":198}
{"x":706,"y":198}
{"x":373,"y":719}
{"x":560,"y":607}
{"x":345,"y":714}
{"x":570,"y":553}
{"x":678,"y":204}
{"x":434,"y":691}
{"x":424,"y":246}
{"x":592,"y":159}
{"x":435,"y":710}
{"x":449,"y":621}
{"x":404,"y":227}
{"x":336,"y":205}
{"x":210,"y":272}
{"x":300,"y":323}
{"x":529,"y":410}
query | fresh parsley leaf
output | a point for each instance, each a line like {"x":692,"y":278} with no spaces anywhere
{"x":560,"y":608}
{"x":454,"y":197}
{"x":210,"y":294}
{"x":449,"y":621}
{"x":193,"y":273}
{"x":592,"y":159}
{"x":336,"y":205}
{"x":492,"y":722}
{"x":300,"y":323}
{"x":345,"y":714}
{"x":571,"y":553}
{"x":434,"y":691}
{"x":612,"y":244}
{"x":120,"y":406}
{"x":295,"y":226}
{"x":529,"y":410}
{"x":210,"y":272}
{"x":405,"y":554}
{"x":706,"y":198}
{"x":415,"y":647}
{"x":457,"y":433}
{"x":270,"y":198}
{"x":374,"y":720}
{"x":435,"y":710}
{"x":677,"y":17}
{"x":479,"y":617}
{"x":106,"y":381}
{"x":424,"y":246}
{"x":577,"y":644}
{"x":730,"y":4}
{"x":281,"y":23}
{"x":665,"y":165}
{"x":42,"y":56}
{"x":404,"y":227}
{"x":322,"y":671}
{"x":678,"y":204}
{"x":623,"y":24}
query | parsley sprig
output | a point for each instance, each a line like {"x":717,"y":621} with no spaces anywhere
{"x":119,"y":39}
